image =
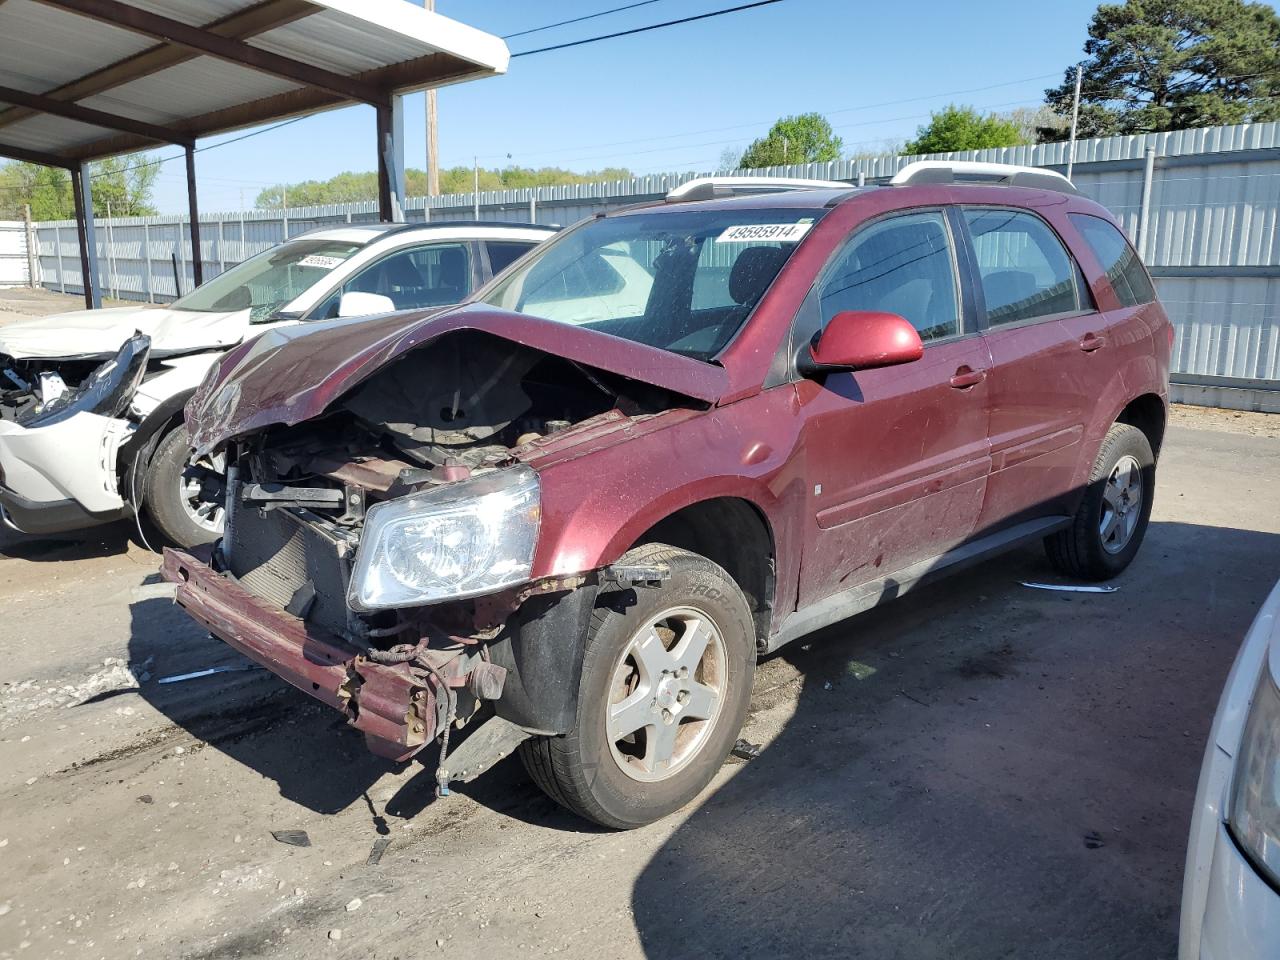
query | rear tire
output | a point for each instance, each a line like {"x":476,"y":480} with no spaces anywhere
{"x":163,"y":495}
{"x":1111,"y":521}
{"x":675,"y":669}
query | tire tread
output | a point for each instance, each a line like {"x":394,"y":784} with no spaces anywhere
{"x":551,"y":761}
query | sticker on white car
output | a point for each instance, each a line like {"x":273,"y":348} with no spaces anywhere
{"x":316,"y":260}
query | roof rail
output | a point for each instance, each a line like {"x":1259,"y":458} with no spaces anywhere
{"x":1005,"y":174}
{"x":710,"y":188}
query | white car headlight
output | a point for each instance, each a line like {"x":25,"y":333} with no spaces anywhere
{"x":1254,"y":814}
{"x":459,"y":540}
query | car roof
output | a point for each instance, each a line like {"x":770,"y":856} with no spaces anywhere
{"x":370,"y":232}
{"x":815,"y":199}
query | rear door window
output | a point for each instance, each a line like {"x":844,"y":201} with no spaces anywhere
{"x":503,"y":253}
{"x":427,"y":276}
{"x":1127,"y":275}
{"x":1025,"y":271}
{"x":903,"y":265}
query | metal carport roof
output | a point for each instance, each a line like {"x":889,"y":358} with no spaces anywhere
{"x":85,"y":79}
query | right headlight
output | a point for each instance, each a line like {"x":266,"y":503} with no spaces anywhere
{"x":1254,"y":813}
{"x":458,"y":540}
{"x":106,"y":391}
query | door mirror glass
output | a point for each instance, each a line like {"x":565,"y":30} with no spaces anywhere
{"x":861,"y":340}
{"x":355,"y":303}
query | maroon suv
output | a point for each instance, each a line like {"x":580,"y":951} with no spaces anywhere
{"x":570,"y":514}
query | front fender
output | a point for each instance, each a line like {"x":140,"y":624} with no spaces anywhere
{"x":596,"y":506}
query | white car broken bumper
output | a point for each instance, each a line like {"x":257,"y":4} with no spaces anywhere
{"x":62,"y":476}
{"x":59,"y":458}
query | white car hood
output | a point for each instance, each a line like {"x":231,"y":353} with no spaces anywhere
{"x":94,"y":334}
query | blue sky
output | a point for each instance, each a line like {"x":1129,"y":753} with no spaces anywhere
{"x":673,"y":99}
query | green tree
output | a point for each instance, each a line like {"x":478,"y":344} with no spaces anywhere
{"x":125,"y":183}
{"x":350,"y":187}
{"x":963,"y":128}
{"x":805,"y":138}
{"x":1154,"y":65}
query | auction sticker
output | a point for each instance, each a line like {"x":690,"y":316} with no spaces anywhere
{"x":316,"y":260}
{"x":756,"y":232}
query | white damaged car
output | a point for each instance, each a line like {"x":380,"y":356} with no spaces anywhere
{"x":91,"y":402}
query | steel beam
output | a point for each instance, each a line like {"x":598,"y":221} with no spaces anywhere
{"x":197,"y":258}
{"x":203,"y":41}
{"x":82,"y":193}
{"x":385,"y":136}
{"x":238,"y":26}
{"x":98,"y":118}
{"x":438,"y":68}
{"x":37,"y":156}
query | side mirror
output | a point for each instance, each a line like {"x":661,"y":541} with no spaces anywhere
{"x":861,"y":340}
{"x":357,"y":304}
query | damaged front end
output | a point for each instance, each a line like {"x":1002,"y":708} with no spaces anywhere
{"x":380,"y":554}
{"x":60,"y":430}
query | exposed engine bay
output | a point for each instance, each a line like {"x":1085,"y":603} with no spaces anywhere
{"x":33,"y":390}
{"x":434,"y":415}
{"x":437,"y":419}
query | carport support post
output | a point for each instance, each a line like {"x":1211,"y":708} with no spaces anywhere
{"x":82,"y":194}
{"x":391,"y":161}
{"x":197,"y":259}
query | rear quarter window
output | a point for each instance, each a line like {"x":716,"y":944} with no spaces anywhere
{"x":1124,"y":269}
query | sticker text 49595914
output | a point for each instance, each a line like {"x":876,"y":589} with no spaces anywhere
{"x":757,"y":232}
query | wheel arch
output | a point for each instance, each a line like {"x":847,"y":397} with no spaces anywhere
{"x":1149,"y":414}
{"x":734,"y":533}
{"x":142,"y":443}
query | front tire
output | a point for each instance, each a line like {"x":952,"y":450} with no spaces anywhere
{"x":171,"y":494}
{"x":665,"y":688}
{"x":1111,"y":521}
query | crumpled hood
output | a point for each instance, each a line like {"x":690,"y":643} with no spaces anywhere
{"x":99,"y":334}
{"x":292,"y":374}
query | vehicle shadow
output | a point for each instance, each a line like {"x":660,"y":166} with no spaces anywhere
{"x":108,"y":540}
{"x":979,"y":770}
{"x":252,"y":716}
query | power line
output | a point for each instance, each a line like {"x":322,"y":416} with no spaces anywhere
{"x":646,"y":29}
{"x":589,"y":16}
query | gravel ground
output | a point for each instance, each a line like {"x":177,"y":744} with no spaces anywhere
{"x":21,"y":302}
{"x":978,"y":770}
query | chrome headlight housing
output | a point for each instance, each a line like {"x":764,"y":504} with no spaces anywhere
{"x":1254,"y":811}
{"x":458,"y":540}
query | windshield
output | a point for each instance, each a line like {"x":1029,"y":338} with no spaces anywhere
{"x":683,"y":281}
{"x":267,"y":282}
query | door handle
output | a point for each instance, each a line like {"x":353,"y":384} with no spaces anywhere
{"x":1091,"y":342}
{"x":967,"y":377}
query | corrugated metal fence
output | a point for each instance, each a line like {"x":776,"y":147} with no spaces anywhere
{"x":15,"y":269}
{"x":1202,"y":205}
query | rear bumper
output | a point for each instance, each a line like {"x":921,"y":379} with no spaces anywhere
{"x":393,"y":708}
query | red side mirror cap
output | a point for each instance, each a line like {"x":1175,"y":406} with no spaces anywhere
{"x":863,"y":339}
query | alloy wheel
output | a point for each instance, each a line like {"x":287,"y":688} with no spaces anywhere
{"x":667,"y":692}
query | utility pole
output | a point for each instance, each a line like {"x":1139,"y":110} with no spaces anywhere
{"x":433,"y":142}
{"x":1075,"y":122}
{"x":476,"y":161}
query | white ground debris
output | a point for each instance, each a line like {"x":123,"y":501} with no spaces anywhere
{"x":18,"y":701}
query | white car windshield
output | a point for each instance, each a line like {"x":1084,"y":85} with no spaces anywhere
{"x":265,"y":283}
{"x":684,"y":281}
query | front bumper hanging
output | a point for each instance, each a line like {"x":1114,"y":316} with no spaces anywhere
{"x":392,"y":707}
